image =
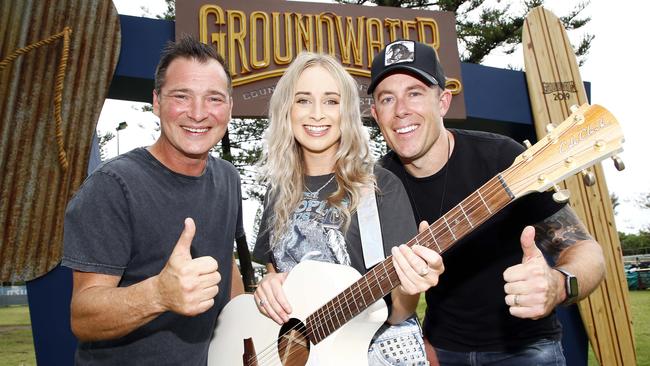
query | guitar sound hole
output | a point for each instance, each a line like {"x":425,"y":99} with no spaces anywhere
{"x":293,"y":343}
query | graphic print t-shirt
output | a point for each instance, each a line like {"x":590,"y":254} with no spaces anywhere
{"x":314,"y":234}
{"x":315,"y":231}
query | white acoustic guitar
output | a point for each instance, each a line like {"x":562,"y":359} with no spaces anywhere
{"x":336,"y":311}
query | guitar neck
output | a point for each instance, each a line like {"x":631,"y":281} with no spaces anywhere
{"x":381,"y":279}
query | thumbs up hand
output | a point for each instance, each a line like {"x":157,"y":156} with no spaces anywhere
{"x":188,"y":286}
{"x":532,"y":288}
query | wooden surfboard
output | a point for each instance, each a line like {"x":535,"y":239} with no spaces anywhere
{"x":554,"y":85}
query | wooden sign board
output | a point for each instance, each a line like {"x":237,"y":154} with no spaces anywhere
{"x":259,"y":39}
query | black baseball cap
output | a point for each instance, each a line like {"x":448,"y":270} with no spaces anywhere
{"x":413,"y":57}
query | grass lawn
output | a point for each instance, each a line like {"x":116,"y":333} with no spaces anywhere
{"x":640,"y":302}
{"x":17,"y":349}
{"x":16,"y":343}
{"x":14,"y":315}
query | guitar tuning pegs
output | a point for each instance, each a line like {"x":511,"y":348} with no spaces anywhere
{"x":573,"y":108}
{"x":560,"y":195}
{"x":618,"y":163}
{"x":578,"y":118}
{"x":549,"y":127}
{"x":527,"y":144}
{"x":588,"y":178}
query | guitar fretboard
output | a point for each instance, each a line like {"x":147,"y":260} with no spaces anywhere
{"x":381,"y":279}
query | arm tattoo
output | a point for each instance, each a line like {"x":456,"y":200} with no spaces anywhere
{"x":559,"y":231}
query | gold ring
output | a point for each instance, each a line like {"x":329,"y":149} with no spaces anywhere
{"x":516,"y":300}
{"x":424,"y":271}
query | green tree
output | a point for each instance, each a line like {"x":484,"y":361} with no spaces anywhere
{"x":485,"y":26}
{"x":644,"y":201}
{"x":256,"y":227}
{"x":242,"y":146}
{"x":633,"y":244}
{"x":168,"y":14}
{"x":103,"y":140}
{"x":638,"y":243}
{"x":615,"y":202}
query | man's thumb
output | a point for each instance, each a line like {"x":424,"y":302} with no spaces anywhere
{"x":184,"y":242}
{"x":528,"y":244}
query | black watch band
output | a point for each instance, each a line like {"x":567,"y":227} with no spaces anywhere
{"x":571,"y":286}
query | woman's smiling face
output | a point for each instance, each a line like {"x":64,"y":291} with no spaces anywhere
{"x":316,"y":113}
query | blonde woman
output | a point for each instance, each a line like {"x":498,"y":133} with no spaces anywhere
{"x":316,"y":164}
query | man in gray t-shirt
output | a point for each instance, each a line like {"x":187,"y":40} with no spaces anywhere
{"x":150,"y":233}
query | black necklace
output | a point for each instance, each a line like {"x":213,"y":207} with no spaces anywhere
{"x":418,"y":217}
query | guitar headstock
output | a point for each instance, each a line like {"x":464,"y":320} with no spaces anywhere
{"x":589,"y":135}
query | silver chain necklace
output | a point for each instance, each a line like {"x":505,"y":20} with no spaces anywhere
{"x":314,"y":194}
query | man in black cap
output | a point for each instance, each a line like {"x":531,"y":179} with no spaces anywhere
{"x":495,"y":302}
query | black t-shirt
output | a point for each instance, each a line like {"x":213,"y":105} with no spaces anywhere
{"x":125,"y":220}
{"x":467,"y":310}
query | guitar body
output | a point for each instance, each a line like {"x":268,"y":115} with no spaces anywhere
{"x":307,"y":287}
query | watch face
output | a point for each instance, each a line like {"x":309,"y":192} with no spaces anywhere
{"x":572,"y":287}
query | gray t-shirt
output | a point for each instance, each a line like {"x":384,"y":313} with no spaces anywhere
{"x":126,"y":219}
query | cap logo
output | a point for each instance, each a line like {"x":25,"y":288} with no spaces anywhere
{"x":400,"y":51}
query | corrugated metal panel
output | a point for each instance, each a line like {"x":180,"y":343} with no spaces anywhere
{"x":34,"y":186}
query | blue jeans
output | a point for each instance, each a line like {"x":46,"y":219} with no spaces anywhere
{"x":541,"y":353}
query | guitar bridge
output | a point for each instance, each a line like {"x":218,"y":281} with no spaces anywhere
{"x":249,"y":357}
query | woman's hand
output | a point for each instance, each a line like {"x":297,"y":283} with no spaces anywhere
{"x":270,"y":298}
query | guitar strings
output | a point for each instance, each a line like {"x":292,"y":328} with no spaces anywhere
{"x":329,"y":315}
{"x":490,"y":184}
{"x":492,"y":188}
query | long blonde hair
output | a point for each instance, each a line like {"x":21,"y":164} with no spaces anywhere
{"x":282,"y":167}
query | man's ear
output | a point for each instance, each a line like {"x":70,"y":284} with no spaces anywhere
{"x":231,"y":105}
{"x":373,"y":111}
{"x":445,"y":102}
{"x":156,"y":104}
